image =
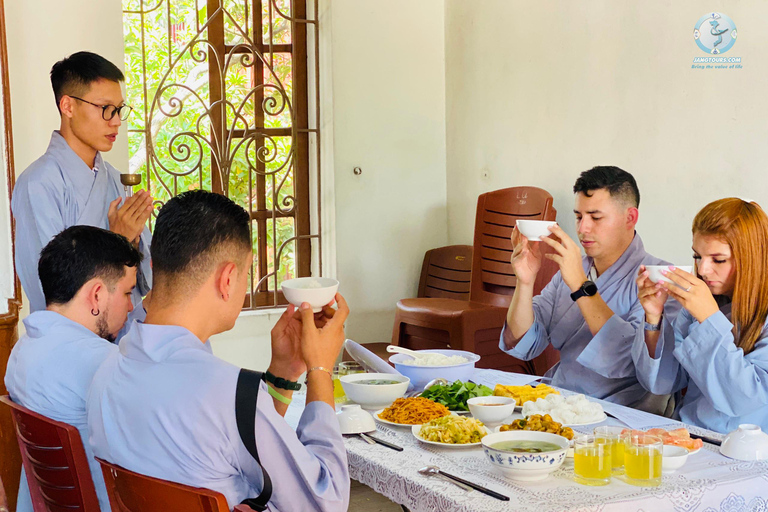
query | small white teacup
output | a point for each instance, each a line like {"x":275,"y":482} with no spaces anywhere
{"x":655,"y":275}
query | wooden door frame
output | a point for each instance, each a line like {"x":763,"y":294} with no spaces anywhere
{"x":10,"y":459}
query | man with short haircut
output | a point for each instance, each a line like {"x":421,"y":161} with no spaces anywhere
{"x":87,"y":276}
{"x":71,"y":183}
{"x":165,"y":406}
{"x":589,"y":311}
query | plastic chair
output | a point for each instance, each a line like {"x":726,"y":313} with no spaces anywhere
{"x":475,"y":324}
{"x":3,"y":500}
{"x":54,"y":461}
{"x":133,"y":492}
{"x":446,"y":273}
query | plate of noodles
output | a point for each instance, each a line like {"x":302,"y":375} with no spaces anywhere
{"x":451,"y":432}
{"x":405,"y":412}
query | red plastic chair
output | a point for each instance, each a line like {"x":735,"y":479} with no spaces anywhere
{"x":54,"y":461}
{"x":475,"y":325}
{"x":133,"y":492}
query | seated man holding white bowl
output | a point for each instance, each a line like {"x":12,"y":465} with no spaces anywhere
{"x":166,"y":407}
{"x":589,"y":311}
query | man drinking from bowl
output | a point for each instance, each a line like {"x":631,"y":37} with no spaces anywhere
{"x":589,"y":311}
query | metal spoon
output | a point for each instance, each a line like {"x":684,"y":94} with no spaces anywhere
{"x":435,"y":471}
{"x":464,"y":484}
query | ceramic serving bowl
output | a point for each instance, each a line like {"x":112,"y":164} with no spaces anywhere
{"x":534,"y":230}
{"x":373,"y":396}
{"x":525,"y":466}
{"x":491,"y":410}
{"x":673,"y":458}
{"x":421,"y":375}
{"x":748,"y":442}
{"x":654,"y":272}
{"x":354,"y":420}
{"x":317,"y":291}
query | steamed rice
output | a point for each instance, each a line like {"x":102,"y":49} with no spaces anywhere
{"x":436,"y":360}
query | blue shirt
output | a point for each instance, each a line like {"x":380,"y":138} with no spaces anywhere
{"x":49,"y":371}
{"x":59,"y":190}
{"x":601,"y":365}
{"x":164,"y":406}
{"x":725,"y":386}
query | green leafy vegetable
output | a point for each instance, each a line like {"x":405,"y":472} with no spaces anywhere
{"x":454,"y":396}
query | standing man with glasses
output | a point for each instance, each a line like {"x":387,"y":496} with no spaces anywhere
{"x":71,"y":183}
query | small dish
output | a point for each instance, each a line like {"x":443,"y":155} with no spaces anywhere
{"x":655,"y":275}
{"x":415,"y":431}
{"x":748,"y":442}
{"x":673,"y":458}
{"x":526,"y":467}
{"x":501,"y":408}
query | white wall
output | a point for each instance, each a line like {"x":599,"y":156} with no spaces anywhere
{"x":6,"y":256}
{"x":383,"y":77}
{"x":39,"y":33}
{"x":539,"y":91}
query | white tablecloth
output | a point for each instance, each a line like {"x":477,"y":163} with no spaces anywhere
{"x":709,"y":482}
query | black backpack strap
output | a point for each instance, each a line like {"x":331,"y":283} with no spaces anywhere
{"x":247,"y":393}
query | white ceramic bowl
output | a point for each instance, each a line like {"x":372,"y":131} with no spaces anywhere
{"x":302,"y":289}
{"x":748,"y":442}
{"x":372,"y":396}
{"x":353,"y":420}
{"x":534,"y":230}
{"x":525,"y":467}
{"x":421,"y":375}
{"x":491,"y":414}
{"x":673,"y":458}
{"x":654,"y":272}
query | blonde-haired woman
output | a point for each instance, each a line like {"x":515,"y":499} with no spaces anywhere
{"x":718,"y":345}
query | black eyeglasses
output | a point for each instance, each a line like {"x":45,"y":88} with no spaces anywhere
{"x":109,"y":111}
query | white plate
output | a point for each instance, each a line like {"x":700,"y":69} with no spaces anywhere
{"x":602,"y":419}
{"x":415,"y":431}
{"x":408,"y":425}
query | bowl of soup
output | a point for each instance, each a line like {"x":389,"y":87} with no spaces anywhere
{"x":525,"y":456}
{"x":374,"y":390}
{"x":491,"y":410}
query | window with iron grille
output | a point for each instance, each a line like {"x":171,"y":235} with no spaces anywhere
{"x":221,"y":91}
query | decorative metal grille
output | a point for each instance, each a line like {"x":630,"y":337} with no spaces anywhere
{"x":221,"y":93}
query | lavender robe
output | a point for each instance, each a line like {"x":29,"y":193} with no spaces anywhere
{"x":164,"y":406}
{"x":725,"y":387}
{"x":601,"y":365}
{"x":58,"y":191}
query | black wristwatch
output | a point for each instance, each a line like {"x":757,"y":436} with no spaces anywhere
{"x":280,"y":382}
{"x":588,"y":289}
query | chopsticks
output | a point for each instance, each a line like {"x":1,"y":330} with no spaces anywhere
{"x":366,"y":437}
{"x":477,"y":487}
{"x":706,"y":439}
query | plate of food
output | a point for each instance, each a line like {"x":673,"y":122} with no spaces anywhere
{"x":574,"y":410}
{"x":455,"y":395}
{"x":675,"y":437}
{"x":405,"y":412}
{"x":451,"y":432}
{"x":526,"y":393}
{"x":539,"y":423}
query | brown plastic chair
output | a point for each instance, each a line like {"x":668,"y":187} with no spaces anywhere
{"x":133,"y":492}
{"x":446,"y":272}
{"x":54,"y":461}
{"x":475,"y":325}
{"x":3,"y":500}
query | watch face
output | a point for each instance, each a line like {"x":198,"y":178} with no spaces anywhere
{"x":589,"y":288}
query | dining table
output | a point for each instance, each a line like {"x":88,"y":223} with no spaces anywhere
{"x":708,"y":482}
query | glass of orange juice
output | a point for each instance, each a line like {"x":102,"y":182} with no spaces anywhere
{"x":591,"y":460}
{"x":341,"y":369}
{"x":612,"y":436}
{"x":642,"y":459}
